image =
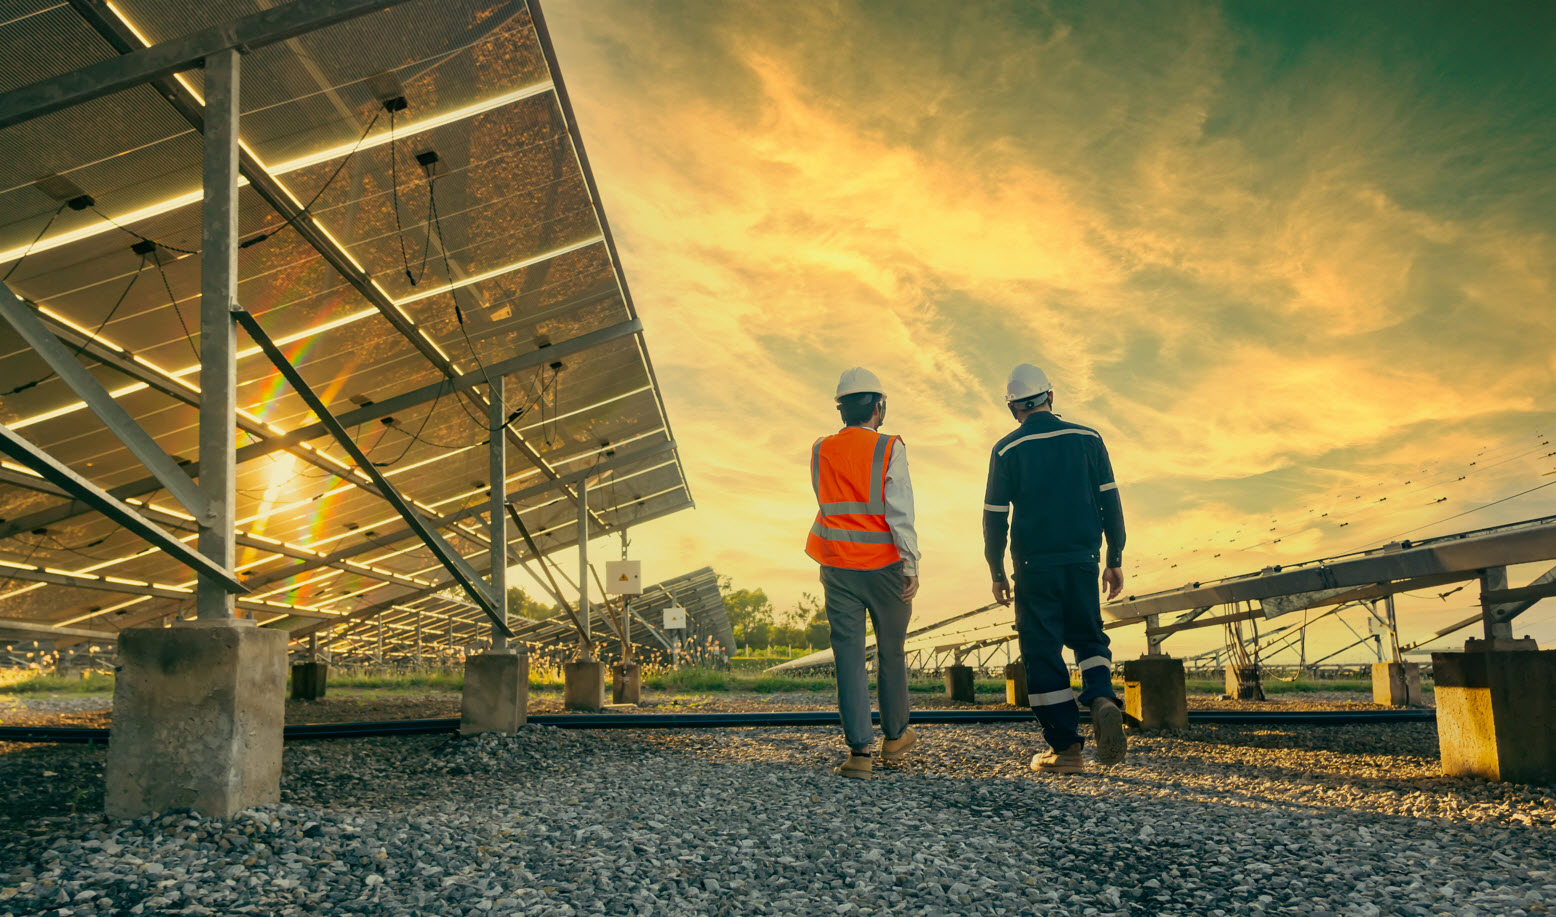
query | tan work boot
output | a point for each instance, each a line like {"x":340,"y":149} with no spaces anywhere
{"x":1068,"y":761}
{"x":1107,"y":730}
{"x":892,"y":749}
{"x":858,"y":765}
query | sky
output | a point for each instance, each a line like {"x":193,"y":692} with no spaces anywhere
{"x":1286,"y":258}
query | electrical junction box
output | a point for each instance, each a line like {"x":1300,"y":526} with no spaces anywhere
{"x":675,"y":618}
{"x":624,"y":577}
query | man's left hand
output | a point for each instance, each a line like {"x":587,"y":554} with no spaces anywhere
{"x":909,"y":588}
{"x":1113,"y":581}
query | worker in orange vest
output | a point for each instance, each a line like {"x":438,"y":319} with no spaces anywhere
{"x":864,"y":540}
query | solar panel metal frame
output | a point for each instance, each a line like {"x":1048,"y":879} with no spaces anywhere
{"x":569,"y":292}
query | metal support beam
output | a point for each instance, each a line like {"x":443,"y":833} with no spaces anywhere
{"x":1278,"y":605}
{"x":583,"y":553}
{"x":1493,"y":580}
{"x":35,"y":629}
{"x":1392,"y":620}
{"x":218,"y":336}
{"x":1521,"y":595}
{"x":44,"y":464}
{"x":410,"y":596}
{"x":275,"y":195}
{"x":518,"y":496}
{"x":497,"y":476}
{"x":65,"y":365}
{"x":257,"y":30}
{"x":1232,"y":618}
{"x":1524,"y":542}
{"x":1153,"y":642}
{"x":457,"y":566}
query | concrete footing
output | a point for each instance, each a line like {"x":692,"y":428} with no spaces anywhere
{"x":959,"y":684}
{"x":1242,"y":683}
{"x":1496,"y":714}
{"x":308,"y":680}
{"x":198,"y":710}
{"x":496,"y":694}
{"x":1016,"y":684}
{"x":1155,"y":692}
{"x":583,"y":686}
{"x":626,"y":683}
{"x":1396,"y":684}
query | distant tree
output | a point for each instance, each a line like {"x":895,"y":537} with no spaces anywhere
{"x":813,"y":612}
{"x":750,"y":614}
{"x":519,"y":603}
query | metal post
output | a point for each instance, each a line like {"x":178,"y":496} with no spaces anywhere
{"x":313,"y":647}
{"x":1388,"y":608}
{"x":497,"y":474}
{"x":380,"y":650}
{"x":1302,"y":653}
{"x":583,"y":558}
{"x":1153,"y":642}
{"x":418,"y":636}
{"x":450,"y":636}
{"x":626,"y":611}
{"x":218,"y":332}
{"x":1494,"y":578}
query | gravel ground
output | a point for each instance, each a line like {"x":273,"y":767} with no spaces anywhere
{"x":351,"y":705}
{"x":1216,"y":820}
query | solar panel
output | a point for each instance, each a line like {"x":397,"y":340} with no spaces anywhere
{"x":456,"y":237}
{"x":707,"y":636}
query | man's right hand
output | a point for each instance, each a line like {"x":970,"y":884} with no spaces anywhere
{"x":1002,"y":591}
{"x":1113,"y":581}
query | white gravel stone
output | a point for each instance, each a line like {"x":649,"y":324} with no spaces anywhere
{"x":1216,"y":820}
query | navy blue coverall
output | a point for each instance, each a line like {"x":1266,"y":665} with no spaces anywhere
{"x":1057,"y":477}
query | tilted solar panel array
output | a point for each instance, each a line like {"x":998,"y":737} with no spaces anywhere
{"x":470,"y":235}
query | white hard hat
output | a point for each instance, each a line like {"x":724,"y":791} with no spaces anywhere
{"x":1026,"y":381}
{"x":858,"y":380}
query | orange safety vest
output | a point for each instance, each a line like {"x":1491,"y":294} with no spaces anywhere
{"x":848,"y":473}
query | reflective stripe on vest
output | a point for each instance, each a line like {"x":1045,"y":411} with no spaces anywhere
{"x":850,"y":533}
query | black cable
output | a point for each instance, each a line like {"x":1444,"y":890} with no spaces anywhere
{"x":91,"y":338}
{"x":126,"y":229}
{"x":26,"y":561}
{"x":399,"y":230}
{"x":35,"y":240}
{"x":415,"y":437}
{"x":1479,"y":508}
{"x":173,"y":300}
{"x":77,"y":550}
{"x":453,"y":292}
{"x":308,"y":207}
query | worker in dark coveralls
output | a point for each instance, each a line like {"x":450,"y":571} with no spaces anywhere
{"x":1057,"y":478}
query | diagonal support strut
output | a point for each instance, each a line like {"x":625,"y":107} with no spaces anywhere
{"x":63,"y":477}
{"x":461,"y":570}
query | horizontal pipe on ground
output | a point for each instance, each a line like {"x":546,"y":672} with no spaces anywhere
{"x":82,"y":735}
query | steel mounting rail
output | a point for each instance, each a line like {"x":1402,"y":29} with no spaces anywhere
{"x":451,"y":559}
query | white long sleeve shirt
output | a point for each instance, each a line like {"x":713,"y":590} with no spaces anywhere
{"x":899,"y":508}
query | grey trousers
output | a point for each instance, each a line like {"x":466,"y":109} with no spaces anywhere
{"x":849,"y":595}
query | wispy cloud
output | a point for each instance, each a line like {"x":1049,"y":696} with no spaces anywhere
{"x":1270,"y":262}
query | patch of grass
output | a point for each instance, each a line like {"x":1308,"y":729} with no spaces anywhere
{"x":37,"y":683}
{"x":792,"y":684}
{"x":429,"y":679}
{"x":1276,"y":686}
{"x":693,"y":680}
